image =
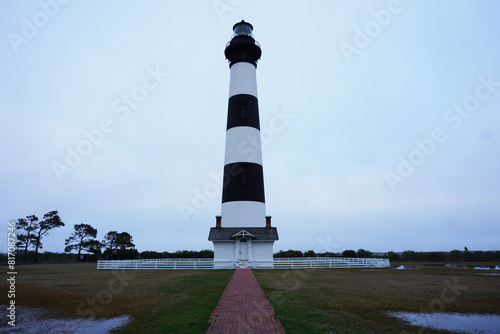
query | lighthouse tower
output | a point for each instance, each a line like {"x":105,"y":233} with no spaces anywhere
{"x":243,"y":233}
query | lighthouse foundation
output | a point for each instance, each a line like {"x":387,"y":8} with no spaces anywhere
{"x":244,"y":246}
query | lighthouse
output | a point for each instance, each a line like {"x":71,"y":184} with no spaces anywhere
{"x":243,"y":234}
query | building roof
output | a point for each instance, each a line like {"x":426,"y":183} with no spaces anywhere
{"x":258,"y":233}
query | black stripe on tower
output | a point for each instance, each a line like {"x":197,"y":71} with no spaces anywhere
{"x":243,"y":110}
{"x":243,"y":49}
{"x":243,"y":181}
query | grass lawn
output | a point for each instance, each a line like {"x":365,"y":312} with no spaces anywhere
{"x":305,"y":300}
{"x":160,"y":301}
{"x":356,"y":300}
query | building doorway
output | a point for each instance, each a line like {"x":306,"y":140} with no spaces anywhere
{"x":243,"y":250}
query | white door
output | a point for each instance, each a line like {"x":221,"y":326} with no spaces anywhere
{"x":243,"y":250}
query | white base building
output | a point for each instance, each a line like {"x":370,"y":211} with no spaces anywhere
{"x":245,"y":246}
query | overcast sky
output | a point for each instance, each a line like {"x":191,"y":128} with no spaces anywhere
{"x":380,"y":120}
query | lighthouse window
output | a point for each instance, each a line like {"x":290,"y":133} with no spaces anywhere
{"x":243,"y":110}
{"x":243,"y":29}
{"x":243,"y":175}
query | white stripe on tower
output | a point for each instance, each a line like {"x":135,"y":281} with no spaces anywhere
{"x":243,"y":144}
{"x":243,"y":79}
{"x":243,"y":202}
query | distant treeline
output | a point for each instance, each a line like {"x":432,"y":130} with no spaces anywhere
{"x":205,"y":253}
{"x":47,"y":257}
{"x":453,"y":256}
{"x":362,"y":253}
{"x":406,"y":256}
{"x":50,"y":257}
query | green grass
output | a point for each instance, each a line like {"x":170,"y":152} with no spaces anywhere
{"x":357,"y":300}
{"x":160,"y":301}
{"x":305,"y":300}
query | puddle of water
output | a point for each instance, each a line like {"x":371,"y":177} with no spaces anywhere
{"x":39,"y":321}
{"x":460,"y":323}
{"x":461,"y":266}
{"x":405,"y":267}
{"x":474,"y":266}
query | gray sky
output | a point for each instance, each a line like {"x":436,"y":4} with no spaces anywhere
{"x":380,"y":120}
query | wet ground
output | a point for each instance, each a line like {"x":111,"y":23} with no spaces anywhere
{"x":461,"y":266}
{"x":459,"y":323}
{"x":473,"y":266}
{"x":38,"y":321}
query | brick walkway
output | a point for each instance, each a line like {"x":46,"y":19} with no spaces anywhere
{"x":243,"y":308}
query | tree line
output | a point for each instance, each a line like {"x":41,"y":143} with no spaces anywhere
{"x":361,"y":253}
{"x":406,"y":256}
{"x":204,"y":253}
{"x":31,"y":230}
{"x":119,"y":245}
{"x":452,"y":256}
{"x":83,"y":241}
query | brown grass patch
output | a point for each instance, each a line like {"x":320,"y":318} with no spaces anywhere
{"x":357,"y":300}
{"x":159,"y":300}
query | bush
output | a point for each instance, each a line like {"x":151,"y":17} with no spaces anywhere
{"x":349,"y":253}
{"x":289,"y":253}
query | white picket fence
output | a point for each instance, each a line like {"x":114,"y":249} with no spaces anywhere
{"x":329,"y":262}
{"x":157,"y":264}
{"x":278,"y":263}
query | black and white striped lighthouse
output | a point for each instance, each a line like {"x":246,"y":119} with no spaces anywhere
{"x":243,"y":219}
{"x":243,"y":202}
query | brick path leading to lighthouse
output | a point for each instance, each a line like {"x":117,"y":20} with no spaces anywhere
{"x":244,"y":308}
